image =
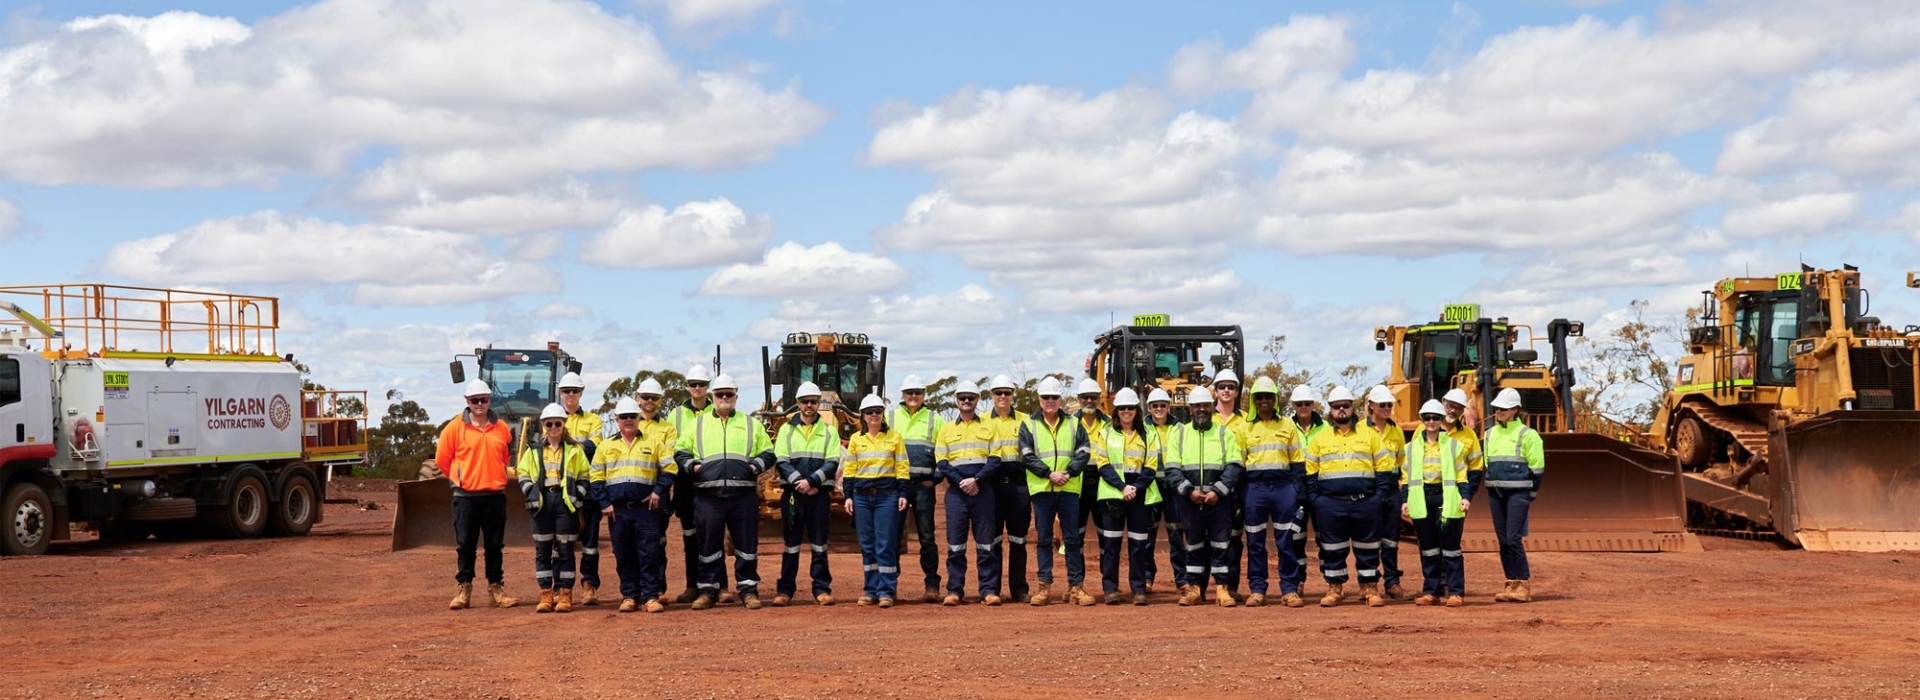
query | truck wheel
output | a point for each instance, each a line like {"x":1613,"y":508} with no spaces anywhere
{"x":297,"y":509}
{"x":29,"y":520}
{"x":245,"y":514}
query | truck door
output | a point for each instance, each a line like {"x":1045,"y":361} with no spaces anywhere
{"x":26,"y":407}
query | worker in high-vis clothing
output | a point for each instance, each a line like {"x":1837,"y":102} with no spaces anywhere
{"x":633,"y":474}
{"x":876,"y":477}
{"x":1054,"y":451}
{"x":1380,"y":418}
{"x":1226,"y":412}
{"x":1203,"y":464}
{"x":653,"y":421}
{"x":1161,"y":425}
{"x":554,"y":477}
{"x":963,"y":453}
{"x":1128,"y":460}
{"x":1308,"y":421}
{"x":698,"y":404}
{"x":1348,"y":472}
{"x":918,"y":426}
{"x":585,"y":428}
{"x":475,"y":452}
{"x":1094,"y":422}
{"x":1515,"y":462}
{"x":723,"y":454}
{"x":1012,"y":505}
{"x":1275,"y":460}
{"x":807,"y":452}
{"x":1436,"y":495}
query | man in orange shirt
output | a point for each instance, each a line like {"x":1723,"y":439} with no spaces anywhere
{"x":473,"y":453}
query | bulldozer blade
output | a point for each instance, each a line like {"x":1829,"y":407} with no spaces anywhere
{"x":423,"y":516}
{"x":1848,"y":481}
{"x":1599,"y":495}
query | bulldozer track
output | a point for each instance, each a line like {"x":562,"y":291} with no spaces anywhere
{"x":1756,"y":535}
{"x":1749,"y":434}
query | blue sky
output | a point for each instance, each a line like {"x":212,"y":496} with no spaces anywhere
{"x":980,"y":186}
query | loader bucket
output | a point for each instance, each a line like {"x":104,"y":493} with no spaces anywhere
{"x":1848,"y":481}
{"x":1599,"y":495}
{"x":423,"y":516}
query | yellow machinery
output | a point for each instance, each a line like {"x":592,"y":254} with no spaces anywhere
{"x":1151,"y":354}
{"x":1605,"y":493}
{"x":1794,"y":411}
{"x":846,"y":367}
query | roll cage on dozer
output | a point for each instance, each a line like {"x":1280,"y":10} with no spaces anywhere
{"x":1150,"y":354}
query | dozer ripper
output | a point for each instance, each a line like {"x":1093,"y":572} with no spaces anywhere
{"x":523,"y":381}
{"x":1604,"y":493}
{"x":1151,"y":354}
{"x":1794,"y":411}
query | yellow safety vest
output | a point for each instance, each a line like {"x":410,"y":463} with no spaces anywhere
{"x":1438,"y":466}
{"x":1136,"y":452}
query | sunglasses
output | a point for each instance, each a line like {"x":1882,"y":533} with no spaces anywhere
{"x":1225,"y":387}
{"x":1003,"y":393}
{"x":1159,"y":405}
{"x":628,"y":417}
{"x":554,"y":424}
{"x":569,"y":391}
{"x":1049,"y":398}
{"x":1118,"y":409}
{"x":913,"y":392}
{"x":696,"y":385}
{"x":1303,"y":404}
{"x":1432,"y":419}
{"x":874,"y":411}
{"x":480,"y":401}
{"x":723,"y":394}
{"x":1342,"y":406}
{"x":966,"y":398}
{"x":649,"y":398}
{"x":809,"y":402}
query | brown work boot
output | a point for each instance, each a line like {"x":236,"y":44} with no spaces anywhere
{"x":687,"y":596}
{"x":728,"y":598}
{"x":1425,"y":600}
{"x":1223,"y":597}
{"x":1190,"y":596}
{"x":628,"y":605}
{"x":992,"y":601}
{"x":546,"y":601}
{"x":703,"y":602}
{"x":1139,"y":599}
{"x":781,"y":600}
{"x":1080,"y":596}
{"x":563,"y":601}
{"x":950,"y":600}
{"x":1293,"y":600}
{"x":886,"y":602}
{"x":1256,"y":600}
{"x":932,"y":596}
{"x":1395,"y":592}
{"x":1506,"y":594}
{"x":462,"y":597}
{"x":1454,"y":601}
{"x":655,"y":606}
{"x":1375,"y":598}
{"x":1335,"y":593}
{"x":1114,"y":598}
{"x":823,"y":599}
{"x":589,"y":594}
{"x":1520,"y":594}
{"x":498,"y":592}
{"x":1041,"y":595}
{"x":752,"y":601}
{"x":864,"y":601}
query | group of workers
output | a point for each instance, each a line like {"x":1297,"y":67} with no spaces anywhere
{"x":1221,"y":481}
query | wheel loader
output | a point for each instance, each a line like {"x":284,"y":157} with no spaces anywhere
{"x":1605,"y":494}
{"x":1794,"y":411}
{"x":523,"y":383}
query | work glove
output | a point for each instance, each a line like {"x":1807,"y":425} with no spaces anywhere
{"x":533,"y":503}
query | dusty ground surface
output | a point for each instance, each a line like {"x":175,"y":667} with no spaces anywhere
{"x":336,"y":615}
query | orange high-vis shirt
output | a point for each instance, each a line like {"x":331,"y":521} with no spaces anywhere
{"x":475,"y":459}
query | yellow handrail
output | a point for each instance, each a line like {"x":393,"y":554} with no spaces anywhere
{"x":99,"y":318}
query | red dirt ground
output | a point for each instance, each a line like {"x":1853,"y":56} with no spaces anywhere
{"x":336,"y":615}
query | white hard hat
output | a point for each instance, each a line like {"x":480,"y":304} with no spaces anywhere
{"x":872,"y":401}
{"x":807,"y":389}
{"x":1304,"y":394}
{"x":553,"y":410}
{"x":1002,"y":382}
{"x":571,"y":380}
{"x":1086,"y":386}
{"x":1126,"y":397}
{"x":478,"y":388}
{"x":1159,"y":395}
{"x":1380,"y":394}
{"x":1340,"y":393}
{"x":626,"y":406}
{"x":965,"y":387}
{"x":912,"y":383}
{"x":1227,"y":377}
{"x":1456,"y":396}
{"x":699,"y":373}
{"x":724,"y":381}
{"x":1507,"y":398}
{"x":649,"y":387}
{"x":1433,"y":407}
{"x":1199,"y":394}
{"x":1049,"y":387}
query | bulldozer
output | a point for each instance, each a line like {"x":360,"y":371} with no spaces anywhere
{"x":1607,"y":493}
{"x":1151,"y":354}
{"x":523,"y":383}
{"x":846,"y":367}
{"x":1794,"y":412}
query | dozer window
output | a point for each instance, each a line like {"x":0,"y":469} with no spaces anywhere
{"x":9,"y":381}
{"x":522,"y":383}
{"x":1783,"y":327}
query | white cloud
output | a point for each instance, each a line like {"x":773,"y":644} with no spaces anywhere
{"x":793,"y":270}
{"x":1804,"y":214}
{"x":1863,"y":124}
{"x":690,"y":13}
{"x":975,"y":123}
{"x":695,"y":234}
{"x":1306,"y":43}
{"x":570,"y":205}
{"x":562,"y":310}
{"x":969,"y":326}
{"x":467,"y":102}
{"x":389,"y":264}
